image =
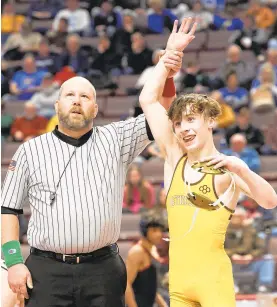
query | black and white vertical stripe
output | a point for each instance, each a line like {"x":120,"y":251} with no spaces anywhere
{"x":86,"y":213}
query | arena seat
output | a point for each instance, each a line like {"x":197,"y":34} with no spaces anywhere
{"x":130,"y":222}
{"x":262,"y":119}
{"x":268,"y":163}
{"x":211,"y":60}
{"x":156,"y":41}
{"x":3,"y":173}
{"x":14,"y":108}
{"x":126,"y":81}
{"x":119,"y":106}
{"x":124,"y":248}
{"x":218,"y":40}
{"x":153,"y":170}
{"x":22,"y":8}
{"x":89,"y":41}
{"x":8,"y":150}
{"x":42,"y":25}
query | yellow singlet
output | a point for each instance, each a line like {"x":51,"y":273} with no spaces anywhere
{"x":200,"y":272}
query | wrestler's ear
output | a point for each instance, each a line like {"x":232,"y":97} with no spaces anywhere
{"x":211,"y":122}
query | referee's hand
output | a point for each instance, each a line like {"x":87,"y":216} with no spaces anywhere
{"x":18,"y":277}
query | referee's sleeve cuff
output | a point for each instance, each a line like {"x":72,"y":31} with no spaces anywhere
{"x":148,"y":130}
{"x":6,"y":210}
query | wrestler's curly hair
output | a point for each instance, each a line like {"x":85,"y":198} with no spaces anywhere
{"x":194,"y":104}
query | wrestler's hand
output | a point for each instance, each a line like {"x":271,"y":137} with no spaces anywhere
{"x":172,"y":61}
{"x":18,"y":277}
{"x":178,"y":40}
{"x":231,"y":163}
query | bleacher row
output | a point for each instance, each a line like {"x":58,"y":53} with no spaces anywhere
{"x":208,"y":48}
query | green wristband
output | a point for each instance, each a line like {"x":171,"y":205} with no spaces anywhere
{"x":12,"y":253}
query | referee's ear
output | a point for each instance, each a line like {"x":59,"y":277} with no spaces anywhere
{"x":56,"y":106}
{"x":95,"y":110}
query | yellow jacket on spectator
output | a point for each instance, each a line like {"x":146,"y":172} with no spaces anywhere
{"x":53,"y":122}
{"x":264,"y":16}
{"x":11,"y":23}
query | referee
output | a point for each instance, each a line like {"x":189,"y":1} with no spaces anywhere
{"x":73,"y":178}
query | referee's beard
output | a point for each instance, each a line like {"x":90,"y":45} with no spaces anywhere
{"x":75,"y":122}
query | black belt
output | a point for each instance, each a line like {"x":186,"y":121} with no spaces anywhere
{"x":77,"y":258}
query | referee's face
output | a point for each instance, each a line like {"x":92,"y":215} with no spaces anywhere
{"x":76,"y":107}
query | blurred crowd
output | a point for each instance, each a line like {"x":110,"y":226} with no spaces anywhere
{"x":51,"y":41}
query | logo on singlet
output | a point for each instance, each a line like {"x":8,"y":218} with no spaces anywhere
{"x":179,"y":200}
{"x":204,"y":189}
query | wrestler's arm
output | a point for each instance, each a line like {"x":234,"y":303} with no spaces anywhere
{"x":154,"y":111}
{"x":152,"y":91}
{"x":133,"y":262}
{"x":257,"y":188}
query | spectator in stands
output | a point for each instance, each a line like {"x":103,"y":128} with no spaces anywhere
{"x":138,"y":193}
{"x":245,"y":71}
{"x":142,"y":274}
{"x":106,"y":20}
{"x":233,"y":95}
{"x":121,"y":41}
{"x":74,"y":56}
{"x":78,"y":18}
{"x":148,"y":70}
{"x":264,"y":18}
{"x":204,"y":18}
{"x":246,"y":38}
{"x":57,"y":38}
{"x":246,"y":249}
{"x":10,"y":21}
{"x":6,"y":122}
{"x":272,"y":56}
{"x":140,"y":56}
{"x":256,"y":215}
{"x":29,"y":125}
{"x":27,"y":81}
{"x":154,"y":151}
{"x":193,"y":77}
{"x":25,"y":40}
{"x":266,"y":77}
{"x":105,"y":58}
{"x":264,"y":89}
{"x":227,"y":116}
{"x":161,"y":17}
{"x":45,"y":60}
{"x":270,"y":134}
{"x":254,"y":136}
{"x":45,"y":99}
{"x":239,"y":148}
{"x":45,"y":9}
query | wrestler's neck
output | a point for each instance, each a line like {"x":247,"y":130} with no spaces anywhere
{"x":208,"y":149}
{"x":75,"y":134}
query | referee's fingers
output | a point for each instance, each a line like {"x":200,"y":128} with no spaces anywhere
{"x":23,"y":291}
{"x":19,"y":300}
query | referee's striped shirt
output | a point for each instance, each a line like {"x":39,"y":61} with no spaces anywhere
{"x":86,"y":212}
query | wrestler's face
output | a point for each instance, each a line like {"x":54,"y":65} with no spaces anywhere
{"x":192,"y":131}
{"x":154,"y":235}
{"x":76,"y":106}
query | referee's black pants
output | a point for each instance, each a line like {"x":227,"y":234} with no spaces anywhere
{"x":100,"y":282}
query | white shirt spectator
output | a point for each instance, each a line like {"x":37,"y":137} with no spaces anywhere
{"x":78,"y":20}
